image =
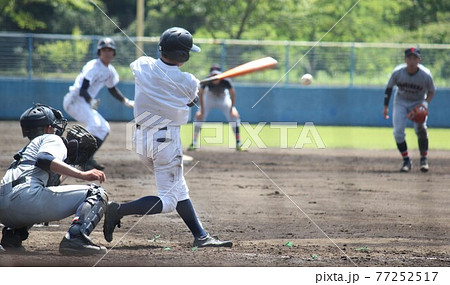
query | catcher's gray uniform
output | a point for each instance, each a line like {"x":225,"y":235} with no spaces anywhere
{"x":25,"y":197}
{"x":29,"y":193}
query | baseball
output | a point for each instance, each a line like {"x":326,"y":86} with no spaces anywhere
{"x":306,"y":79}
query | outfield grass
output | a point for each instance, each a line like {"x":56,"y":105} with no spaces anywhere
{"x":290,"y":136}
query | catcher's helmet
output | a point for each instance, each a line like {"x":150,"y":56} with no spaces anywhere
{"x":34,"y":120}
{"x":176,"y":43}
{"x":106,"y":43}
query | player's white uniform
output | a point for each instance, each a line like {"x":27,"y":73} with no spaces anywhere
{"x":162,"y":93}
{"x":218,"y":97}
{"x":24,"y":198}
{"x":76,"y":106}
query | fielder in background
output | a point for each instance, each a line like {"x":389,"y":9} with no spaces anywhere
{"x":217,"y":94}
{"x":163,"y":97}
{"x":80,"y":102}
{"x":30,"y":193}
{"x":415,"y":91}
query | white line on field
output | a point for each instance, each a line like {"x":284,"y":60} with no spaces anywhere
{"x":303,"y":212}
{"x":140,"y":219}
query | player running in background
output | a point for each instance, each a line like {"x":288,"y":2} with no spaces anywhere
{"x":29,"y":192}
{"x":163,"y":95}
{"x":415,"y":86}
{"x":217,"y":94}
{"x":80,"y":102}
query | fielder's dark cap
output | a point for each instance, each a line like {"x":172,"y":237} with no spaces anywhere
{"x":412,"y":50}
{"x":215,"y":67}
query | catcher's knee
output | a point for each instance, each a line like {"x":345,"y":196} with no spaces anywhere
{"x":91,"y":211}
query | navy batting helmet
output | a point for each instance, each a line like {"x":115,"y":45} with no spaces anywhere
{"x":34,"y":120}
{"x":176,"y":43}
{"x":106,"y":43}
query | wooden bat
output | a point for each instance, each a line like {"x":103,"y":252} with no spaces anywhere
{"x":249,"y":67}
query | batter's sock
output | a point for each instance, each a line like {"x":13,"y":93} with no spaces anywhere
{"x":148,"y":205}
{"x":186,"y":211}
{"x":423,"y":147}
{"x":403,"y":148}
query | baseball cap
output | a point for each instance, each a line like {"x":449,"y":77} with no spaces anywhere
{"x":412,"y":50}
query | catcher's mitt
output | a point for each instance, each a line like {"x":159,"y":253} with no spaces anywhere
{"x":82,"y":142}
{"x":418,"y":114}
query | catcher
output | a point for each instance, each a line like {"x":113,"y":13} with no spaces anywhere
{"x":29,"y":190}
{"x":415,"y":91}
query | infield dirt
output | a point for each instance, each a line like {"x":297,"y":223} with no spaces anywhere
{"x":280,"y":207}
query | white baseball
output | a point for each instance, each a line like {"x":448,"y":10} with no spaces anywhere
{"x":306,"y":79}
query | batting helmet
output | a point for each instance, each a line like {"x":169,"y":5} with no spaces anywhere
{"x":34,"y":120}
{"x":176,"y":43}
{"x":106,"y":43}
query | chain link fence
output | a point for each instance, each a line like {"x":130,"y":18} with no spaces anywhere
{"x":47,"y":56}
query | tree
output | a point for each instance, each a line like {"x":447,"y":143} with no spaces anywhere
{"x":33,"y":15}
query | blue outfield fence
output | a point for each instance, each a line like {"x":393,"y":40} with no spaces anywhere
{"x":340,"y":106}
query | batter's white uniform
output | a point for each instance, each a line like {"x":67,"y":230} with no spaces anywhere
{"x":162,"y":93}
{"x":24,"y":198}
{"x":76,"y":106}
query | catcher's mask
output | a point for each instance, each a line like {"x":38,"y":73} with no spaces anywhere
{"x":176,"y":43}
{"x":34,"y":120}
{"x":106,"y":43}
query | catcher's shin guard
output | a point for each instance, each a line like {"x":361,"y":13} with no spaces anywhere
{"x":89,"y":213}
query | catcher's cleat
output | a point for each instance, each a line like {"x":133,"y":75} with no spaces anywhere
{"x":191,"y":147}
{"x":12,"y":239}
{"x":209,"y":241}
{"x":424,"y":167}
{"x":406,"y":167}
{"x":112,"y":219}
{"x":1,"y":249}
{"x":80,"y":245}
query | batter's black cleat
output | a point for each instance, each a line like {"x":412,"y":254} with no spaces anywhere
{"x":209,"y":241}
{"x":112,"y":219}
{"x":406,"y":167}
{"x":80,"y":245}
{"x":424,"y":167}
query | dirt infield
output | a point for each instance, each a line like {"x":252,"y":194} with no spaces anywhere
{"x":292,"y":207}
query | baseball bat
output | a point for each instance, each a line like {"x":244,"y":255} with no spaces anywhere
{"x":249,"y":67}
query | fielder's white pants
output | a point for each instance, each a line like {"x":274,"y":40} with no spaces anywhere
{"x":161,"y":151}
{"x":77,"y":107}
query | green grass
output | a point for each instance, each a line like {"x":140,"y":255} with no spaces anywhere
{"x":217,"y":134}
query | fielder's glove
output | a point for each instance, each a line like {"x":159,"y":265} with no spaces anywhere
{"x":418,"y":114}
{"x":81,"y":145}
{"x":129,"y":103}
